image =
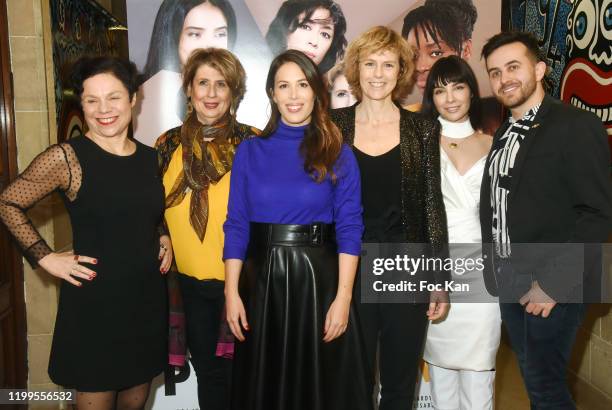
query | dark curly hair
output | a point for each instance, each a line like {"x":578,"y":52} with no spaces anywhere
{"x":286,"y":21}
{"x":86,"y":67}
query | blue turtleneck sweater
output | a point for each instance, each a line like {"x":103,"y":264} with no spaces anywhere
{"x":268,"y":184}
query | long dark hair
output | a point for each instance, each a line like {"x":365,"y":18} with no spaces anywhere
{"x":452,"y":69}
{"x":286,"y":22}
{"x":322,"y":141}
{"x":163,"y":49}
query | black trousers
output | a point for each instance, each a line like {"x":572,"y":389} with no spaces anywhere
{"x":401,"y":330}
{"x":203,"y":302}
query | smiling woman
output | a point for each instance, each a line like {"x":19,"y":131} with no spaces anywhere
{"x":398,"y":156}
{"x":111,"y":327}
{"x":291,"y":248}
{"x":195,"y":160}
{"x":459,"y":371}
{"x":107,"y":107}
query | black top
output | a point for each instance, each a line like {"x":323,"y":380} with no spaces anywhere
{"x":381,"y":181}
{"x":111,"y":332}
{"x":422,"y":205}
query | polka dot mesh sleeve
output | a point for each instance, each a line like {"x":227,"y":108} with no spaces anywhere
{"x":57,"y":168}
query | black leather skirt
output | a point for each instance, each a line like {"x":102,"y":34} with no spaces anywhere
{"x":288,"y":281}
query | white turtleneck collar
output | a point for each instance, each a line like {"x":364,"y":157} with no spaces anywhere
{"x":456,"y":130}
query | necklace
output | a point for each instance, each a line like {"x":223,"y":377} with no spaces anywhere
{"x":456,"y":131}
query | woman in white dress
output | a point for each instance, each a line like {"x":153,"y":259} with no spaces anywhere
{"x":461,"y":349}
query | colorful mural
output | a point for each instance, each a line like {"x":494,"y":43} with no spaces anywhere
{"x":576,"y":37}
{"x":587,"y":78}
{"x":78,"y":27}
{"x":546,"y":19}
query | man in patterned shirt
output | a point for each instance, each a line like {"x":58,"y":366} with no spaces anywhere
{"x":546,"y":193}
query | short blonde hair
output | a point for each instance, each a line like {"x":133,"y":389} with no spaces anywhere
{"x":377,"y":39}
{"x":226,"y":63}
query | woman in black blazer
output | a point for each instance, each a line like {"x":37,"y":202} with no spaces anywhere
{"x":399,"y":160}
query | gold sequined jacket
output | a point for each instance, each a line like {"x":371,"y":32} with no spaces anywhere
{"x":423,"y":212}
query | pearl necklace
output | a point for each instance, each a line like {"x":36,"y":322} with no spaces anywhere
{"x":456,"y":130}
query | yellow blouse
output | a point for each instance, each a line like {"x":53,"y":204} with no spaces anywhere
{"x":202,"y":260}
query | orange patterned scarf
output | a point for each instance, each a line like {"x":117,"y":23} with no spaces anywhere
{"x":208,"y":153}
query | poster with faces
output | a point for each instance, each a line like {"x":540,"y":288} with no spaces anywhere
{"x":163,"y":33}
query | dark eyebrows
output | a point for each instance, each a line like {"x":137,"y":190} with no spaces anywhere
{"x":505,"y":65}
{"x":202,"y":28}
{"x":111,"y":94}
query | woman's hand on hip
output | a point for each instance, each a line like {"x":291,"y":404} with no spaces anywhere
{"x":67,"y":266}
{"x":236,"y":315}
{"x":336,"y":320}
{"x":165,"y":253}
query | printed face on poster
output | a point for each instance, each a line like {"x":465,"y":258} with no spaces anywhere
{"x":162,"y":34}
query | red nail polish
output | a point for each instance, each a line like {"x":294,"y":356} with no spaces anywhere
{"x":95,"y":261}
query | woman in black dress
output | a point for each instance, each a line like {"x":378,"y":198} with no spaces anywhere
{"x":111,"y":326}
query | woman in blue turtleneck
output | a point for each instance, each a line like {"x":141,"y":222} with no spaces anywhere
{"x":292,"y":240}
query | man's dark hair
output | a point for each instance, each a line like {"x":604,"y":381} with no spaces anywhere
{"x":507,"y":37}
{"x":89,"y":66}
{"x":451,"y":21}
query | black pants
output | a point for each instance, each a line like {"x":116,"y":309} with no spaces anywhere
{"x":543,"y":347}
{"x":401,"y":330}
{"x":203,"y":302}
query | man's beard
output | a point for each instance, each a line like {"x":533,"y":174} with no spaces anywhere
{"x":525,"y":90}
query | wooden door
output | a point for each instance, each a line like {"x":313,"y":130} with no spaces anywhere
{"x":12,"y":305}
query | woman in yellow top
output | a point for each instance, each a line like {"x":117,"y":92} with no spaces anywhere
{"x":196,"y":160}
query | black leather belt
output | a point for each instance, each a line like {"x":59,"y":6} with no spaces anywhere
{"x":288,"y":234}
